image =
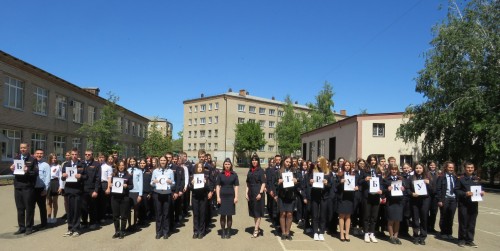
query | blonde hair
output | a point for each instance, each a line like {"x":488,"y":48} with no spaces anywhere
{"x":324,"y":165}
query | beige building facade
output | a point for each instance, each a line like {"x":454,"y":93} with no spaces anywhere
{"x":162,"y":125}
{"x":359,"y":136}
{"x":45,"y":111}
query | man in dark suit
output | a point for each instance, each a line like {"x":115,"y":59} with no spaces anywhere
{"x":91,"y":184}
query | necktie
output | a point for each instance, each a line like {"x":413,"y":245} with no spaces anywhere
{"x":394,"y":178}
{"x":452,"y":186}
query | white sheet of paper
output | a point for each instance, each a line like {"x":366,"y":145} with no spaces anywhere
{"x":349,"y":184}
{"x":18,"y":167}
{"x":318,"y":180}
{"x":287,"y":179}
{"x":198,"y":180}
{"x":71,"y":172}
{"x":420,"y":187}
{"x":162,"y":183}
{"x":396,"y":188}
{"x":117,"y":185}
{"x":476,"y":193}
{"x":374,"y":185}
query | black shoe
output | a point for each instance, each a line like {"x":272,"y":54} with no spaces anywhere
{"x":223,"y":234}
{"x":20,"y":231}
{"x":28,"y":231}
{"x":289,"y":237}
{"x":116,"y":235}
{"x":165,"y":237}
{"x":392,"y":240}
{"x":200,"y":236}
{"x":461,"y":243}
{"x":471,"y":244}
{"x":422,"y":242}
{"x":283,"y":237}
{"x":228,"y":233}
{"x":398,"y":241}
{"x":416,"y":241}
{"x":158,"y":236}
{"x":195,"y":236}
{"x":122,"y":234}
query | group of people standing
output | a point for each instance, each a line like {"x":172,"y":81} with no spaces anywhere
{"x":368,"y":196}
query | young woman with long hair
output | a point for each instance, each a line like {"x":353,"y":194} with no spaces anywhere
{"x":346,"y":199}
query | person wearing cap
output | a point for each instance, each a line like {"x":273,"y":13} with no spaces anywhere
{"x":227,"y":197}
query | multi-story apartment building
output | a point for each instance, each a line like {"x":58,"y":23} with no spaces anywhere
{"x":45,"y":111}
{"x":210,"y":123}
{"x":162,"y":125}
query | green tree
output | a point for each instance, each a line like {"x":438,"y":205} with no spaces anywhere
{"x":249,"y":138}
{"x":322,"y":113}
{"x":155,"y":144}
{"x":289,"y":128}
{"x":102,"y":135}
{"x":177,"y":143}
{"x":460,"y":119}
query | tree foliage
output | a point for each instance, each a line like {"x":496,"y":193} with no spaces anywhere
{"x":322,"y":113}
{"x":289,"y":128}
{"x":177,"y":143}
{"x":460,"y":119}
{"x":102,"y":135}
{"x":156,"y":144}
{"x":249,"y":137}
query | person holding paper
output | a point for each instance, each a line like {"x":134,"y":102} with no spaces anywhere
{"x":162,"y":181}
{"x":304,"y":198}
{"x":199,"y":198}
{"x":256,"y":185}
{"x":394,"y":187}
{"x":420,"y":202}
{"x":286,"y":196}
{"x":320,"y":195}
{"x":348,"y":179}
{"x":91,"y":187}
{"x":135,"y":193}
{"x":447,"y":200}
{"x":227,"y":184}
{"x":73,"y":190}
{"x":370,"y":200}
{"x":404,"y":227}
{"x":24,"y":189}
{"x":467,"y":209}
{"x":55,"y":189}
{"x":146,"y":205}
{"x":121,"y":184}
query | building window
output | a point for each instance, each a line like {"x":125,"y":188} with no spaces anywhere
{"x":190,"y":121}
{"x":210,"y":120}
{"x":189,"y":134}
{"x":271,"y":124}
{"x":251,"y":109}
{"x":13,"y":93}
{"x":138,"y":130}
{"x":262,"y":123}
{"x":202,"y":121}
{"x":262,"y":161}
{"x":216,"y":133}
{"x":202,"y":145}
{"x":38,"y":141}
{"x":190,"y":109}
{"x":119,"y":124}
{"x":41,"y":101}
{"x":126,"y":126}
{"x":60,"y":146}
{"x":271,"y":112}
{"x":77,"y":112}
{"x":216,"y":146}
{"x":194,"y":148}
{"x":209,"y":133}
{"x":262,"y":111}
{"x":321,"y":147}
{"x":61,"y":104}
{"x":133,"y":129}
{"x":196,"y":134}
{"x":270,"y":148}
{"x":216,"y":120}
{"x":189,"y":146}
{"x":195,"y":121}
{"x":202,"y":133}
{"x":241,"y":108}
{"x":195,"y":108}
{"x":281,"y":113}
{"x":203,"y":108}
{"x":91,"y":115}
{"x":77,"y":143}
{"x":271,"y":135}
{"x":311,"y":150}
{"x":12,"y":146}
{"x":209,"y":146}
{"x":261,"y":149}
{"x":210,"y":106}
{"x":216,"y":106}
{"x":251,"y":120}
{"x":405,"y":159}
{"x":241,"y":120}
{"x":378,"y":130}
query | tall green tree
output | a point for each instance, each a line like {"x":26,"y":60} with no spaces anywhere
{"x":460,"y":119}
{"x":322,"y":113}
{"x":289,"y":128}
{"x":249,"y":138}
{"x":102,"y":135}
{"x":177,"y":143}
{"x":156,"y":144}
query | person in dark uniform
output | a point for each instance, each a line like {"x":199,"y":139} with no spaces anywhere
{"x":73,"y":190}
{"x":42,"y":187}
{"x":407,"y":215}
{"x":420,"y":205}
{"x":433,"y":205}
{"x":120,"y":201}
{"x":176,"y":208}
{"x":146,"y":204}
{"x":188,"y":169}
{"x":199,"y":200}
{"x":91,"y":187}
{"x":467,"y":209}
{"x":227,"y":197}
{"x":303,"y":205}
{"x":256,"y":184}
{"x":394,"y":204}
{"x":104,"y":198}
{"x":24,"y":190}
{"x":320,"y":198}
{"x":135,"y":194}
{"x":346,"y":200}
{"x":332,"y":217}
{"x":163,"y":182}
{"x":447,"y":200}
{"x":286,"y":198}
{"x":370,"y":201}
{"x":272,"y":196}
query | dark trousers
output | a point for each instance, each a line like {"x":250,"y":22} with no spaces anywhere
{"x":173,"y":214}
{"x":406,"y":222}
{"x":272,"y":210}
{"x":319,"y":209}
{"x":381,"y":224}
{"x":89,"y":208}
{"x":146,"y":208}
{"x":447,"y":213}
{"x":467,"y":215}
{"x":357,"y":214}
{"x":199,"y":210}
{"x":42,"y":207}
{"x":25,"y":204}
{"x":370,"y":214}
{"x":162,"y":205}
{"x":186,"y":201}
{"x":74,"y":207}
{"x":433,"y":209}
{"x":121,"y":209}
{"x":103,"y":202}
{"x":420,"y":212}
{"x":332,"y":217}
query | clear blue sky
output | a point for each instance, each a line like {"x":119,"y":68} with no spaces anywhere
{"x":155,"y":54}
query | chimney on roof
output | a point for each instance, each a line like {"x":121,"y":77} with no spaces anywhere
{"x":93,"y":90}
{"x":230,"y":90}
{"x":248,"y":93}
{"x":272,"y":98}
{"x":202,"y":95}
{"x":343,"y":112}
{"x":243,"y":92}
{"x":296,"y":102}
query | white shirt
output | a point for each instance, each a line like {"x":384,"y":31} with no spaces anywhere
{"x":106,"y":172}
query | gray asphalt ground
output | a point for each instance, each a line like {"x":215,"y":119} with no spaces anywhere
{"x":487,"y":234}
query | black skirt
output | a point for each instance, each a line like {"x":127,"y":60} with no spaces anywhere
{"x":133,"y":198}
{"x":286,"y":205}
{"x":256,"y":207}
{"x":394,"y":211}
{"x":54,"y":187}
